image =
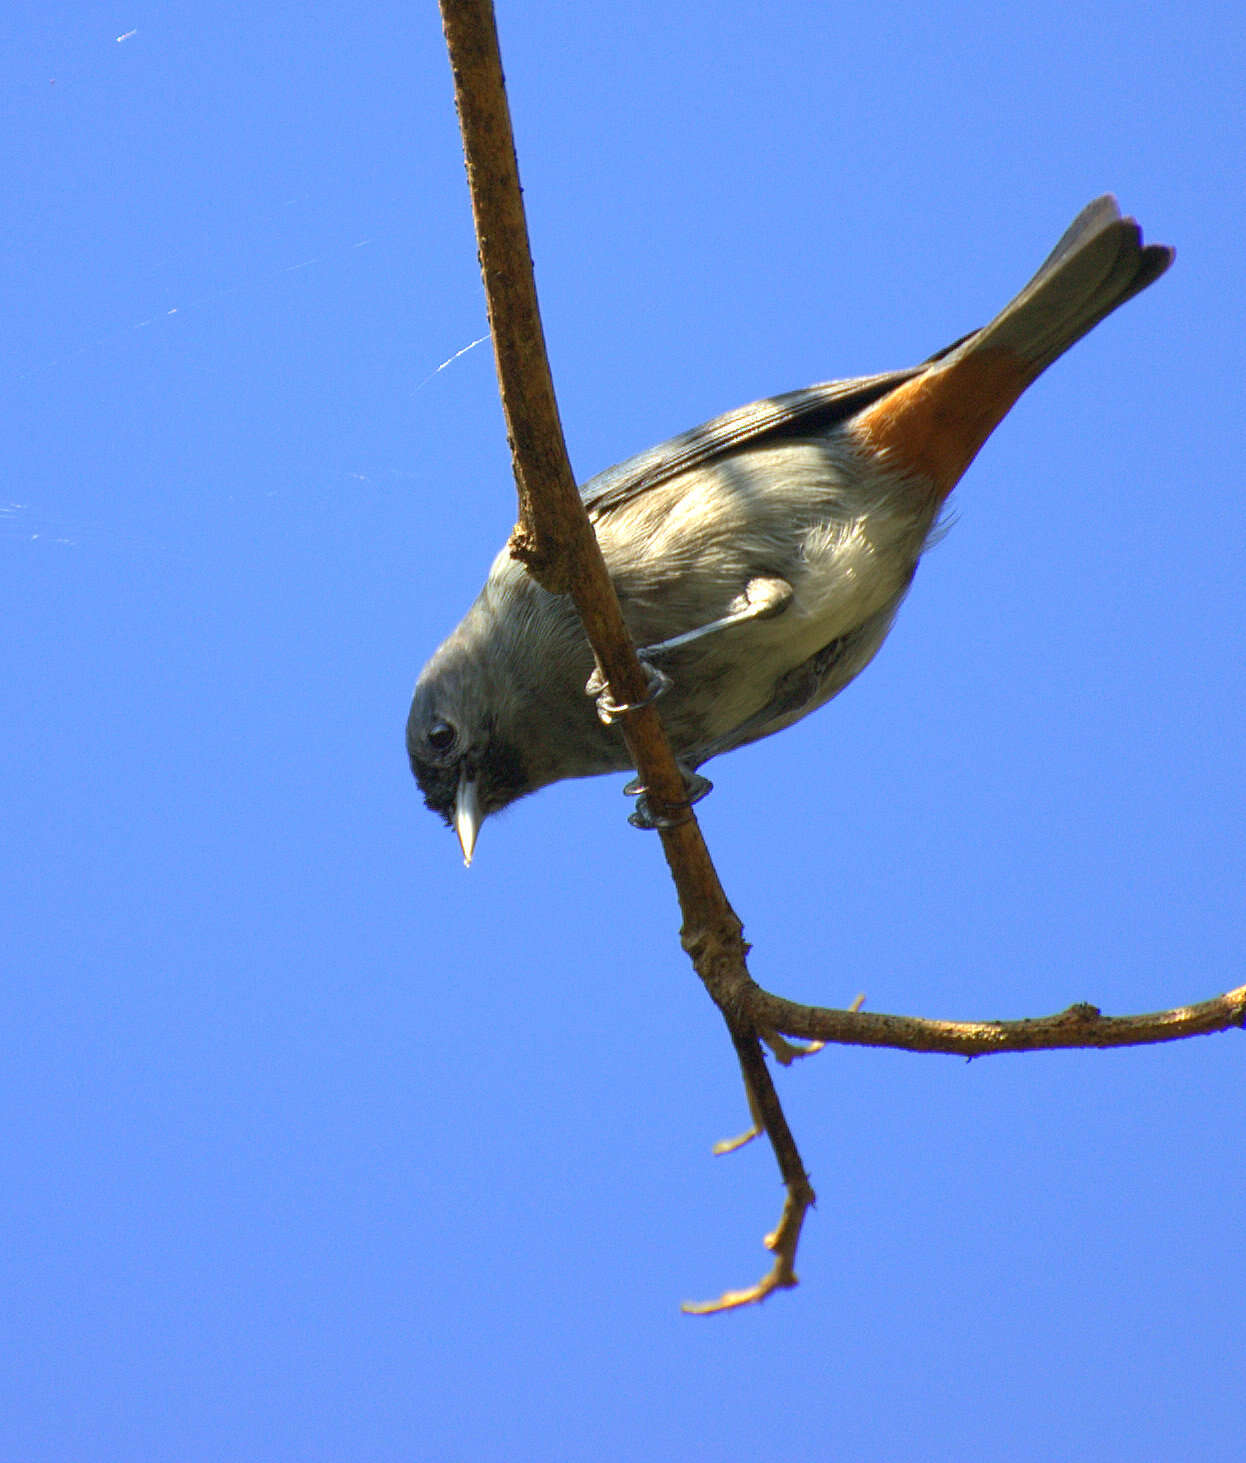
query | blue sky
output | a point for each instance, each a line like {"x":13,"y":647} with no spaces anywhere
{"x":317,"y":1146}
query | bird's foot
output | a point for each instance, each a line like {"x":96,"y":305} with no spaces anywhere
{"x":644,"y":816}
{"x":608,"y":709}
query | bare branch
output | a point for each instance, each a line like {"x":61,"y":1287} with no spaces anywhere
{"x":550,"y":533}
{"x":1081,"y":1025}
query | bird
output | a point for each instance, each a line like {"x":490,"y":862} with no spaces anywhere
{"x":760,"y":558}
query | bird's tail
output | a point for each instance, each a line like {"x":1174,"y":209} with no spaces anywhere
{"x":933,"y":424}
{"x":1099,"y":263}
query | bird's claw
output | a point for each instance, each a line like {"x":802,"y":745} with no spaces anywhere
{"x":644,"y":816}
{"x":608,"y":709}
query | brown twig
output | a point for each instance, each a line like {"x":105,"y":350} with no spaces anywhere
{"x":1081,"y":1025}
{"x":554,"y":539}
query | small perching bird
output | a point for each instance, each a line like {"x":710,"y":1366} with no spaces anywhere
{"x":759,"y":559}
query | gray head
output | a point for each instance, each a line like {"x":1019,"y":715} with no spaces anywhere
{"x":500,"y":709}
{"x":464,"y":761}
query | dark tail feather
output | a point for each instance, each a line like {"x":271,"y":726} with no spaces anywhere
{"x":1099,"y":263}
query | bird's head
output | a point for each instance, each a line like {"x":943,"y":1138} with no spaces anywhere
{"x":464,"y":762}
{"x":500,"y":710}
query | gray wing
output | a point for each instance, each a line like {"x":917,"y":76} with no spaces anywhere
{"x":805,"y":413}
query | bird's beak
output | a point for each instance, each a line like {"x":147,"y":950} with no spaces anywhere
{"x":467,"y":817}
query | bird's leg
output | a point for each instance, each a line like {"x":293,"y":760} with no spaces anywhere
{"x":762,"y":598}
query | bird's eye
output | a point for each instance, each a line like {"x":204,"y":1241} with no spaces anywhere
{"x":441,"y":736}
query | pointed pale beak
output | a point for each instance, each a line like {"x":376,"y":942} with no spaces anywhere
{"x":467,"y":817}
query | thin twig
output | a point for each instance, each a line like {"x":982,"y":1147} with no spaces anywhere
{"x":1082,"y":1025}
